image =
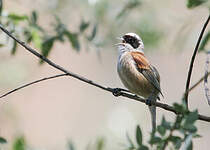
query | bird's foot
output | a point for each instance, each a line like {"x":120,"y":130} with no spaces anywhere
{"x":118,"y":91}
{"x":149,"y":102}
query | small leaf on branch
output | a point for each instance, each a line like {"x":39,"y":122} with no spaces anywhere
{"x":19,"y":144}
{"x":83,"y":26}
{"x":47,"y":46}
{"x":3,"y":140}
{"x":73,"y":39}
{"x":165,"y":123}
{"x":16,"y":18}
{"x":195,"y":3}
{"x":162,"y":130}
{"x":34,"y":17}
{"x":93,"y":34}
{"x":138,"y":136}
{"x":191,"y":118}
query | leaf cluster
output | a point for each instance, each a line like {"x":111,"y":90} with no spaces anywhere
{"x":27,"y":26}
{"x":174,"y":135}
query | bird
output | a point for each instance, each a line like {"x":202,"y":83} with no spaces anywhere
{"x":136,"y":72}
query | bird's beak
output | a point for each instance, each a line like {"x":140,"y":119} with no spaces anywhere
{"x":120,"y":38}
{"x":121,"y":43}
{"x":118,"y":44}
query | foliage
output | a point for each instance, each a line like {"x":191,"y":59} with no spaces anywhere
{"x":28,"y":27}
{"x":19,"y":143}
{"x":170,"y":135}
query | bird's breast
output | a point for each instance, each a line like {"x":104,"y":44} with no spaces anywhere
{"x":131,"y":77}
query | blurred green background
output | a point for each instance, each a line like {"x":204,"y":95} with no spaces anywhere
{"x":54,"y":112}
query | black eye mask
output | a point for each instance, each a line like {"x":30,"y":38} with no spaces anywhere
{"x":134,"y":42}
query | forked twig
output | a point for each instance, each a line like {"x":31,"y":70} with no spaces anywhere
{"x":31,"y":83}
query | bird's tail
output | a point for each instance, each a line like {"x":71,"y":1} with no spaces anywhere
{"x":153,"y":117}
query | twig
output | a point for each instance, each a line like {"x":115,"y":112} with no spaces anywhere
{"x":193,"y":59}
{"x":198,"y":82}
{"x":206,"y":89}
{"x":112,"y":90}
{"x":31,"y":83}
{"x":169,"y":136}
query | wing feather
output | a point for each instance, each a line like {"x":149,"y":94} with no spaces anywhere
{"x":148,"y":71}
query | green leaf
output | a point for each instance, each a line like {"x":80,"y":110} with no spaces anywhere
{"x":16,"y":18}
{"x":83,"y":26}
{"x":93,"y":34}
{"x":143,"y":147}
{"x":73,"y":39}
{"x":138,"y":136}
{"x":195,"y":3}
{"x":204,"y":42}
{"x":191,"y":117}
{"x":165,"y":124}
{"x":14,"y":48}
{"x":1,"y":6}
{"x":155,"y":139}
{"x":27,"y":35}
{"x":161,"y":130}
{"x":36,"y":38}
{"x":47,"y":46}
{"x":19,"y":144}
{"x":181,"y":108}
{"x":190,"y":128}
{"x":34,"y":17}
{"x":100,"y":144}
{"x":177,"y":141}
{"x":3,"y":140}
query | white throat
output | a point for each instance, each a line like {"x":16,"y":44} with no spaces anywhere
{"x":123,"y":47}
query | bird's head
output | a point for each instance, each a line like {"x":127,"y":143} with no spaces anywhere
{"x":131,"y":42}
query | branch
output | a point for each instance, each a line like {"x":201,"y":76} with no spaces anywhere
{"x":197,"y":83}
{"x":193,"y":59}
{"x":206,"y":89}
{"x":112,"y":90}
{"x":31,"y":83}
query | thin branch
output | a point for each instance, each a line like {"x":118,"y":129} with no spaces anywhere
{"x":31,"y":83}
{"x":112,"y":90}
{"x":197,"y":83}
{"x":193,"y":59}
{"x":206,"y":89}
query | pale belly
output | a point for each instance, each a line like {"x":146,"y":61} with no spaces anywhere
{"x":132,"y":78}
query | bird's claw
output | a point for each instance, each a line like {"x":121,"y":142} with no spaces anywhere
{"x":117,"y":92}
{"x":149,"y":102}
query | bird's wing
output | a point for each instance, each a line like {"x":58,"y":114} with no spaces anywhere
{"x":148,"y":71}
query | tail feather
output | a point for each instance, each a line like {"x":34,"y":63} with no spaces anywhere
{"x":153,"y":117}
